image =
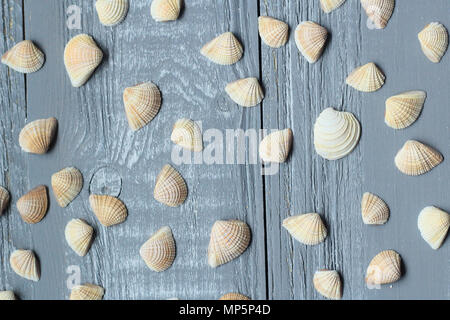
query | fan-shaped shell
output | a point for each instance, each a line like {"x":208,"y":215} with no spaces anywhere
{"x":416,"y":158}
{"x":434,"y":41}
{"x":24,"y":57}
{"x":328,"y":284}
{"x":245,"y":92}
{"x":25,"y":264}
{"x":7,"y":295}
{"x":66,"y":185}
{"x":81,"y":57}
{"x":37,"y":136}
{"x":234,"y":296}
{"x":159,"y":251}
{"x":310,"y":39}
{"x":330,"y":5}
{"x":384,"y":268}
{"x":108,"y":209}
{"x":79,"y":236}
{"x":187,"y":134}
{"x":403,"y":110}
{"x":165,"y":10}
{"x":307,"y":228}
{"x":276,"y":146}
{"x":336,"y":134}
{"x":33,"y":205}
{"x":374,"y":210}
{"x":4,"y":199}
{"x":87,"y":291}
{"x":379,"y":11}
{"x":433,"y":224}
{"x":367,"y":78}
{"x":224,"y":49}
{"x":229,"y":239}
{"x":111,"y":12}
{"x":170,"y":188}
{"x":273,"y":32}
{"x":142,"y":103}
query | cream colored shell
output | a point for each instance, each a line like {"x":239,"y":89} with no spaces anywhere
{"x":79,"y":236}
{"x":330,"y":5}
{"x":273,"y":32}
{"x":379,"y":11}
{"x":159,"y":251}
{"x":307,"y":228}
{"x":234,"y":296}
{"x":224,"y":49}
{"x":37,"y":136}
{"x":25,"y":264}
{"x":142,"y":103}
{"x":367,"y":78}
{"x":109,"y":210}
{"x":33,"y":205}
{"x":328,"y":284}
{"x":24,"y":57}
{"x":7,"y":295}
{"x":276,"y":146}
{"x":187,"y":134}
{"x":66,"y":185}
{"x":310,"y":39}
{"x":373,"y":209}
{"x":4,"y":199}
{"x":111,"y":12}
{"x":384,"y":268}
{"x":165,"y":10}
{"x":434,"y":41}
{"x":433,"y":224}
{"x":402,"y":110}
{"x":245,"y":92}
{"x":170,"y":188}
{"x":416,"y":158}
{"x":87,"y":291}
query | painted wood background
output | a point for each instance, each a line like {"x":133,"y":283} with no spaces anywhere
{"x":94,"y":136}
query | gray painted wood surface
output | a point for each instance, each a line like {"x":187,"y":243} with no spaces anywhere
{"x":94,"y":136}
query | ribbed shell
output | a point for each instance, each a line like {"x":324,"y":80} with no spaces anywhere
{"x":108,"y":209}
{"x":7,"y":295}
{"x":307,"y":228}
{"x":330,"y":5}
{"x":37,"y":136}
{"x":159,"y":251}
{"x":434,"y":41}
{"x":276,"y":146}
{"x":379,"y":11}
{"x":4,"y":199}
{"x":79,"y":236}
{"x":373,"y":209}
{"x":25,"y":264}
{"x":111,"y":12}
{"x":187,"y":134}
{"x":384,"y":268}
{"x":245,"y":92}
{"x":404,"y":109}
{"x":81,"y":57}
{"x":273,"y":32}
{"x":87,"y":291}
{"x":224,"y":49}
{"x":229,"y":239}
{"x":170,"y":188}
{"x":24,"y":57}
{"x":66,"y":185}
{"x":33,"y":205}
{"x":142,"y":103}
{"x":310,"y":39}
{"x":234,"y":296}
{"x":416,"y":158}
{"x":433,"y":224}
{"x":328,"y":284}
{"x":165,"y":10}
{"x":367,"y":78}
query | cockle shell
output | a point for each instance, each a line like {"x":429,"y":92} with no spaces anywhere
{"x":273,"y":32}
{"x":379,"y":11}
{"x":4,"y":199}
{"x":336,"y":134}
{"x":87,"y":291}
{"x":81,"y":57}
{"x":142,"y":103}
{"x":25,"y":264}
{"x":403,"y":109}
{"x":229,"y":239}
{"x":224,"y":49}
{"x":416,"y":158}
{"x":24,"y":57}
{"x":276,"y":146}
{"x":170,"y":188}
{"x":108,"y":209}
{"x":245,"y":92}
{"x":434,"y":41}
{"x":165,"y":10}
{"x":79,"y":236}
{"x":367,"y":78}
{"x":330,"y":5}
{"x":433,"y":224}
{"x":33,"y":205}
{"x":374,"y":210}
{"x":7,"y":295}
{"x":111,"y":12}
{"x":187,"y":134}
{"x":66,"y":185}
{"x":234,"y":296}
{"x":384,"y":268}
{"x":310,"y":39}
{"x":37,"y":136}
{"x":307,"y":228}
{"x":328,"y":284}
{"x":159,"y":251}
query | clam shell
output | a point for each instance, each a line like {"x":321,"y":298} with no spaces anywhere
{"x":384,"y":268}
{"x":336,"y":134}
{"x":307,"y":228}
{"x":379,"y":11}
{"x":367,"y":78}
{"x":374,"y":210}
{"x":234,"y":296}
{"x":24,"y":57}
{"x":276,"y":146}
{"x":79,"y":236}
{"x":170,"y":188}
{"x":433,"y":224}
{"x":403,"y":110}
{"x":37,"y":136}
{"x":33,"y":205}
{"x":142,"y":103}
{"x":87,"y":291}
{"x":229,"y":239}
{"x":159,"y":251}
{"x":66,"y":185}
{"x":310,"y":39}
{"x":273,"y":32}
{"x":7,"y":295}
{"x":25,"y":264}
{"x":81,"y":57}
{"x":4,"y":199}
{"x":434,"y":41}
{"x":187,"y":134}
{"x":165,"y":10}
{"x":111,"y":12}
{"x":245,"y":92}
{"x":328,"y":284}
{"x":108,"y":209}
{"x":224,"y":49}
{"x":330,"y":5}
{"x":416,"y":158}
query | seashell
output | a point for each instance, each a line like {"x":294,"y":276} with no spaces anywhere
{"x":165,"y":10}
{"x":367,"y":78}
{"x":434,"y":41}
{"x":330,"y":5}
{"x":4,"y":199}
{"x":111,"y":12}
{"x":379,"y":11}
{"x":336,"y":134}
{"x":273,"y":32}
{"x":81,"y":57}
{"x":33,"y":205}
{"x":7,"y":295}
{"x":403,"y":109}
{"x":24,"y":57}
{"x":416,"y":158}
{"x":25,"y":264}
{"x":374,"y":209}
{"x":187,"y":134}
{"x":142,"y":103}
{"x":66,"y":185}
{"x":384,"y":268}
{"x":170,"y":188}
{"x":307,"y":228}
{"x":245,"y":92}
{"x":276,"y":146}
{"x":37,"y":136}
{"x":433,"y":225}
{"x":224,"y":49}
{"x":328,"y":283}
{"x":108,"y":209}
{"x":310,"y":39}
{"x":79,"y":236}
{"x":229,"y":239}
{"x":159,"y":251}
{"x":234,"y":296}
{"x":87,"y":291}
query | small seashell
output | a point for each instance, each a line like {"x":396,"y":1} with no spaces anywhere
{"x":434,"y":41}
{"x":7,"y":295}
{"x":224,"y":49}
{"x":245,"y":92}
{"x":416,"y":158}
{"x":310,"y":39}
{"x":187,"y":134}
{"x":33,"y":205}
{"x":229,"y":239}
{"x":330,"y":5}
{"x":403,"y":109}
{"x":4,"y":199}
{"x":379,"y":11}
{"x":142,"y":103}
{"x":165,"y":10}
{"x":433,"y":225}
{"x":111,"y":12}
{"x":374,"y":209}
{"x":81,"y":57}
{"x":276,"y":146}
{"x":234,"y":296}
{"x":328,"y":283}
{"x":273,"y":32}
{"x":108,"y":209}
{"x":87,"y":291}
{"x":384,"y":268}
{"x":307,"y":228}
{"x":37,"y":136}
{"x":159,"y":251}
{"x":79,"y":236}
{"x":367,"y":78}
{"x":170,"y":188}
{"x":25,"y":264}
{"x":24,"y":57}
{"x":66,"y":185}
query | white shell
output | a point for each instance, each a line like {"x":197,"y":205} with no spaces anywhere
{"x":402,"y":110}
{"x":367,"y":78}
{"x":330,"y":5}
{"x":7,"y":295}
{"x":25,"y":264}
{"x":379,"y":11}
{"x":245,"y":92}
{"x":87,"y":291}
{"x":384,"y":268}
{"x":416,"y":158}
{"x":159,"y":251}
{"x":433,"y":224}
{"x":187,"y":134}
{"x":224,"y":49}
{"x":307,"y":228}
{"x":24,"y":57}
{"x":310,"y":39}
{"x":79,"y":236}
{"x":373,"y":209}
{"x":111,"y":12}
{"x":434,"y":41}
{"x":276,"y":146}
{"x":273,"y":32}
{"x":165,"y":10}
{"x":328,"y":284}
